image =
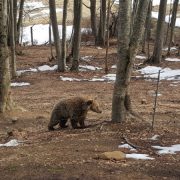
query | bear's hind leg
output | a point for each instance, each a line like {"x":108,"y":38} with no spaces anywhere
{"x":74,"y":123}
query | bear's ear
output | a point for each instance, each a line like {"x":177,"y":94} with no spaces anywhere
{"x":87,"y":104}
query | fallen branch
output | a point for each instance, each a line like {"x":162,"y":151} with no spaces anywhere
{"x":131,"y":144}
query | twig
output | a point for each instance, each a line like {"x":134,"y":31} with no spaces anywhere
{"x":155,"y":101}
{"x":131,"y":144}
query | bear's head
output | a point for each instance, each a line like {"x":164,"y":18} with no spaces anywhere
{"x":94,"y":106}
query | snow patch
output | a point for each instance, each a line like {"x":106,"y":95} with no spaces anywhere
{"x":168,"y":150}
{"x":11,"y":143}
{"x":88,"y":67}
{"x":47,"y":68}
{"x":139,"y":156}
{"x":173,"y":59}
{"x":127,"y":146}
{"x":166,"y":73}
{"x":141,"y":57}
{"x":19,"y":84}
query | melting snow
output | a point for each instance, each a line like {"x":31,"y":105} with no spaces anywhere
{"x":19,"y":72}
{"x":166,"y":73}
{"x":88,"y":67}
{"x":173,"y":59}
{"x":127,"y":146}
{"x":86,"y":58}
{"x":168,"y":150}
{"x":141,"y":57}
{"x":139,"y":156}
{"x":33,"y":5}
{"x":171,"y":49}
{"x":19,"y":84}
{"x":71,"y":79}
{"x":11,"y":143}
{"x":47,"y":68}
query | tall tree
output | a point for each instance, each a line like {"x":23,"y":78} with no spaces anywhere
{"x":147,"y":31}
{"x":127,"y":50}
{"x":173,"y":22}
{"x":157,"y":52}
{"x":19,"y":23}
{"x":4,"y":60}
{"x":15,"y":18}
{"x":77,"y":34}
{"x":102,"y":24}
{"x":53,"y":17}
{"x":64,"y":32}
{"x":93,"y":19}
{"x":12,"y":40}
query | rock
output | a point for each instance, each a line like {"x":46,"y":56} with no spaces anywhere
{"x":114,"y":155}
{"x":14,"y":120}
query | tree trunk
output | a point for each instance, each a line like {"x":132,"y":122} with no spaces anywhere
{"x":147,"y":31}
{"x":173,"y":22}
{"x":157,"y":53}
{"x":19,"y":23}
{"x":15,"y":18}
{"x":53,"y":17}
{"x":5,"y":100}
{"x":64,"y":32}
{"x":127,"y":50}
{"x":93,"y":19}
{"x":12,"y":41}
{"x":102,"y":24}
{"x":77,"y":34}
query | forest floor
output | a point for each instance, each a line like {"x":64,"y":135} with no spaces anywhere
{"x":73,"y":153}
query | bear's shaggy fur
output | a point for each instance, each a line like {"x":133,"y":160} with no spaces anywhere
{"x":75,"y":109}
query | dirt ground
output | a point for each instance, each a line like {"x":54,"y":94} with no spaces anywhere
{"x":73,"y":154}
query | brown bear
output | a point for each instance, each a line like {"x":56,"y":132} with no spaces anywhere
{"x":75,"y":109}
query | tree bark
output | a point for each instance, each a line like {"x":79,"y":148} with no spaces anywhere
{"x":77,"y":34}
{"x":102,"y":24}
{"x":53,"y":17}
{"x":93,"y":19}
{"x":12,"y":41}
{"x":157,"y":52}
{"x":5,"y":100}
{"x":127,"y":50}
{"x":19,"y":23}
{"x":15,"y":18}
{"x":173,"y":22}
{"x":64,"y":32}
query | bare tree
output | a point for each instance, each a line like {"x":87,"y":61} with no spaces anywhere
{"x":93,"y":19}
{"x":77,"y":34}
{"x":102,"y":24}
{"x":19,"y":23}
{"x":12,"y":40}
{"x":64,"y":31}
{"x":127,"y":50}
{"x":15,"y":18}
{"x":5,"y":100}
{"x":53,"y":17}
{"x":173,"y":22}
{"x":157,"y":52}
{"x":147,"y":31}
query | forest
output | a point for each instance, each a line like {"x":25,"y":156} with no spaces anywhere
{"x":89,"y":89}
